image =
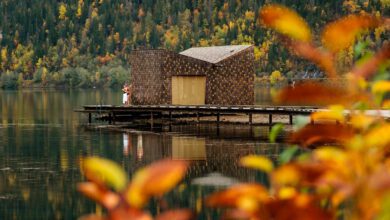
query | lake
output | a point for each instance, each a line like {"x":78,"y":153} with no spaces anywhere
{"x":42,"y":142}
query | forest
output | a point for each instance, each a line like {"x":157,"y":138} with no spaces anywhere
{"x":86,"y":43}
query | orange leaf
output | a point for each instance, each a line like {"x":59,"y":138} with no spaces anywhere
{"x":314,"y":93}
{"x":177,"y":214}
{"x":301,"y":207}
{"x":125,"y":213}
{"x":285,"y":21}
{"x":101,"y":195}
{"x":233,"y":197}
{"x":322,"y":134}
{"x":340,"y":34}
{"x":154,"y":180}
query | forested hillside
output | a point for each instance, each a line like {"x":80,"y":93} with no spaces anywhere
{"x":84,"y":43}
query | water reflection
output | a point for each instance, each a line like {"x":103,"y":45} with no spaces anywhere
{"x":42,"y":143}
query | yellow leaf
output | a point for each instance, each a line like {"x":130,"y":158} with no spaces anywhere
{"x":287,"y":192}
{"x":103,"y":171}
{"x":341,"y":34}
{"x":381,"y":87}
{"x":334,"y":113}
{"x":361,"y":121}
{"x":285,"y":21}
{"x":286,"y":175}
{"x":330,"y":154}
{"x":154,"y":180}
{"x":257,"y":162}
{"x":378,"y":137}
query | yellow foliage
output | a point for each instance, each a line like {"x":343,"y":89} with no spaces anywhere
{"x":62,"y":12}
{"x":275,"y":76}
{"x":94,"y":13}
{"x":4,"y":54}
{"x":250,"y":15}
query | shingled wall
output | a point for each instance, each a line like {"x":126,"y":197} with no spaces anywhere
{"x":229,"y":82}
{"x":147,"y":77}
{"x":232,"y":80}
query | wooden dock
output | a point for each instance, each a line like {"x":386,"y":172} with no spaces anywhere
{"x":114,"y":114}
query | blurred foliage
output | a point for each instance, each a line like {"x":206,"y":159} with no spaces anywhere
{"x":346,"y":175}
{"x":107,"y":183}
{"x":94,"y":33}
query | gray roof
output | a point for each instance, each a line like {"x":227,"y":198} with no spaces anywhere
{"x":214,"y":54}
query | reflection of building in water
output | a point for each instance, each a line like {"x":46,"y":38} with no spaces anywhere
{"x":127,"y":144}
{"x":188,"y":148}
{"x":207,"y":155}
{"x":140,"y":147}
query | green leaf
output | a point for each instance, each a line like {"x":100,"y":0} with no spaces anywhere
{"x":104,"y":172}
{"x":275,"y":130}
{"x":300,"y":122}
{"x":287,"y":155}
{"x":360,"y":48}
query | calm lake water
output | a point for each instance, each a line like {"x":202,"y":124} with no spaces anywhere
{"x":42,"y":141}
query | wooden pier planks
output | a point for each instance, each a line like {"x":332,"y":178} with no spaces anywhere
{"x":138,"y":110}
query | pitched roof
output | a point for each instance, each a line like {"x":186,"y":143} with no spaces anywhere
{"x":214,"y":54}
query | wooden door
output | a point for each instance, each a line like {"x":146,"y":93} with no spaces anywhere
{"x":188,"y":90}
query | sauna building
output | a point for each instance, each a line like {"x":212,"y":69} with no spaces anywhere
{"x":221,"y":75}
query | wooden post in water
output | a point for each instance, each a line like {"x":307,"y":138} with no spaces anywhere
{"x":90,"y":118}
{"x":113,"y":118}
{"x":151,"y":120}
{"x":270,"y":119}
{"x":109,"y":118}
{"x":197,"y":117}
{"x":218,"y":118}
{"x":291,"y":119}
{"x":250,"y":119}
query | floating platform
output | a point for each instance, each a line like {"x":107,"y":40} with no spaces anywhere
{"x":112,"y":113}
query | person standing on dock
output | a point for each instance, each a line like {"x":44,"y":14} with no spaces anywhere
{"x":127,"y":90}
